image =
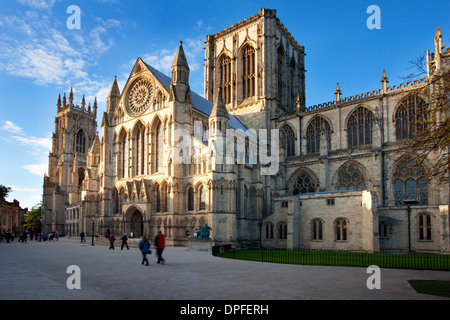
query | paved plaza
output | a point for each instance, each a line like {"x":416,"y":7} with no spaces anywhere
{"x":38,"y":270}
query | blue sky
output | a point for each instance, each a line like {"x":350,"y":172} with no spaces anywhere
{"x":40,"y":57}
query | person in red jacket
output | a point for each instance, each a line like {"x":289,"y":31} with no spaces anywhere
{"x":111,"y":242}
{"x":160,"y":244}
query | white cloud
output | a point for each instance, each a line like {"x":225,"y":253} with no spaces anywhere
{"x":38,"y":169}
{"x":33,"y":45}
{"x":162,"y":59}
{"x":11,"y":127}
{"x":38,"y":4}
{"x":34,"y":142}
{"x":24,"y":189}
{"x":34,"y":145}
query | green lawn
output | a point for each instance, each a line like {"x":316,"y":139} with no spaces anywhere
{"x":431,"y":287}
{"x":382,"y":260}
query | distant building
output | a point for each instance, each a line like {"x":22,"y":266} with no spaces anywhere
{"x":338,"y":184}
{"x":11,"y":216}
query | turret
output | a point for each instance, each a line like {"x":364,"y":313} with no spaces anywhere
{"x":71,"y":98}
{"x":180,"y":67}
{"x":219,"y":119}
{"x":438,"y":49}
{"x":95,"y":107}
{"x":384,"y":81}
{"x":59,"y":102}
{"x":338,"y":93}
{"x":112,"y":99}
{"x":179,"y":86}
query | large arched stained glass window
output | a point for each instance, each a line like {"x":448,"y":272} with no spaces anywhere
{"x":409,"y":116}
{"x":287,"y":140}
{"x":80,"y":145}
{"x":313,"y":133}
{"x":139,"y":150}
{"x":292,"y":86}
{"x":123,"y":155}
{"x":249,"y":71}
{"x":359,"y":127}
{"x":225,"y":78}
{"x":351,"y":179}
{"x":190,"y":199}
{"x":280,"y":74}
{"x":202,"y":198}
{"x":410,"y":183}
{"x":158,"y":198}
{"x":303,"y":184}
{"x":159,"y":148}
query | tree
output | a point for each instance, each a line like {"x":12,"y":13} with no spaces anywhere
{"x":431,"y":131}
{"x":33,"y":220}
{"x":4,"y":191}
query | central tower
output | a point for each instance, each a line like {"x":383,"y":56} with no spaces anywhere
{"x":259,"y":67}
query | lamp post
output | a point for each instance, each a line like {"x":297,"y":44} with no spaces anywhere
{"x":93,"y":217}
{"x":409,"y":202}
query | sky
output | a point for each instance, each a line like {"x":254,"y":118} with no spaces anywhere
{"x":42,"y":55}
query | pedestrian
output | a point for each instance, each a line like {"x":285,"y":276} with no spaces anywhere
{"x":124,"y":242}
{"x":57,"y":235}
{"x":111,"y":242}
{"x":160,"y":244}
{"x":82,"y":239}
{"x":144,"y":246}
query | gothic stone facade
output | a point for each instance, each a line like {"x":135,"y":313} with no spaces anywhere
{"x":339,"y":184}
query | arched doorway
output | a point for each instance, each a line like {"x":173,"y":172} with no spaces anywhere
{"x":137,"y":224}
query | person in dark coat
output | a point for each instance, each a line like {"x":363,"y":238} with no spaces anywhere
{"x":124,"y":242}
{"x":144,"y":246}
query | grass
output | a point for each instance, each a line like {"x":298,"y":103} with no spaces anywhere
{"x":431,"y":287}
{"x":382,"y":260}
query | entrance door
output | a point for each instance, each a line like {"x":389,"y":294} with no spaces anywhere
{"x":137,"y":225}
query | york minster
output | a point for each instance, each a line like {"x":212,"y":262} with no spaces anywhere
{"x":339,"y":182}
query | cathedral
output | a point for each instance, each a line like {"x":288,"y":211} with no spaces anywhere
{"x":248,"y":157}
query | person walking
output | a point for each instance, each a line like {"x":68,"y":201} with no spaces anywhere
{"x":124,"y":242}
{"x":160,"y":244}
{"x":111,"y":242}
{"x":144,"y":246}
{"x":82,"y":239}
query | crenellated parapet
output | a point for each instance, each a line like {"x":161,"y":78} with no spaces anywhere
{"x":64,"y":106}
